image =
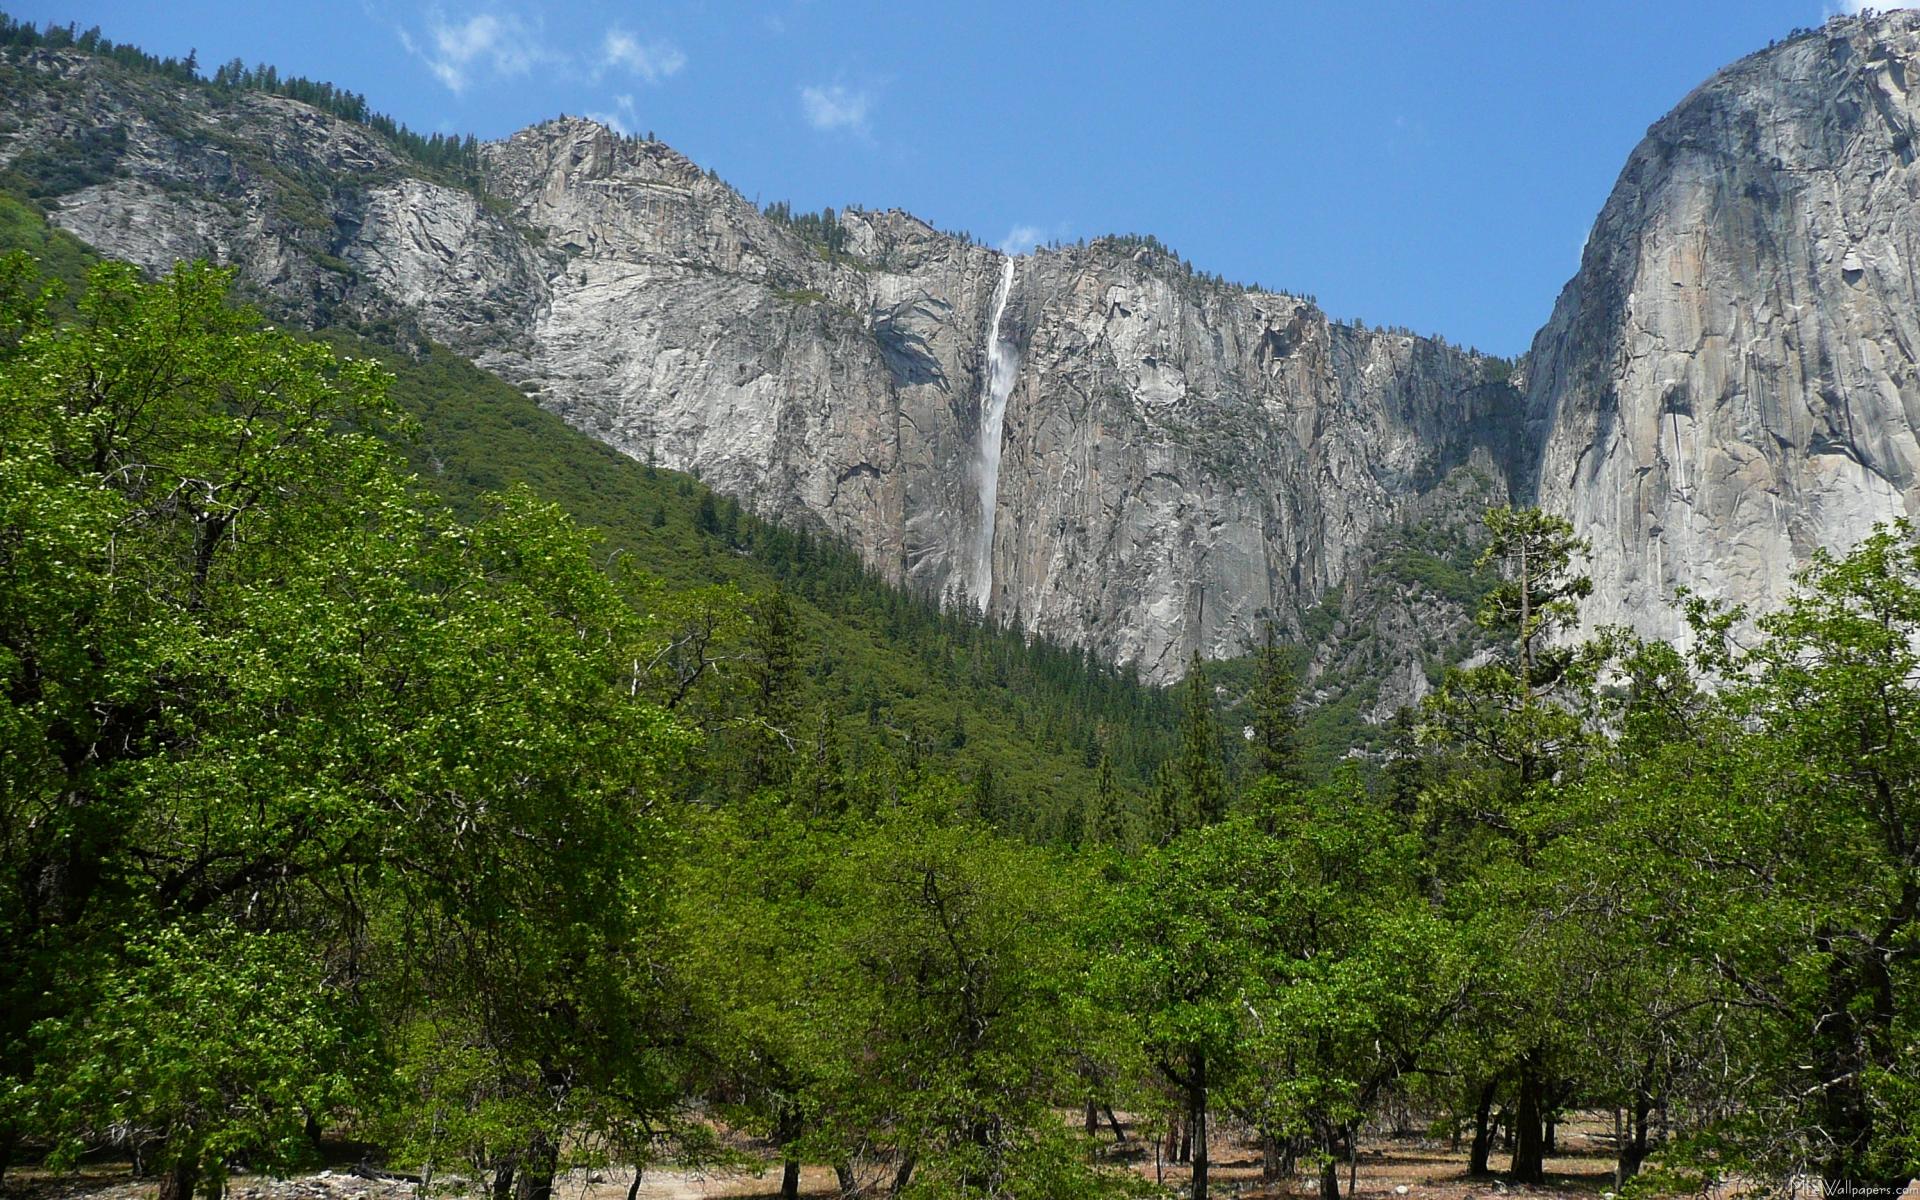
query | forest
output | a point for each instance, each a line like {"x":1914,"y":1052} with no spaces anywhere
{"x":347,"y":794}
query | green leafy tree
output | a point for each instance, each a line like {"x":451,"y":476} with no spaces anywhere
{"x":761,"y":976}
{"x":951,"y":1032}
{"x":259,"y":690}
{"x":1183,"y":941}
{"x":203,"y":1046}
{"x":1355,"y":983}
{"x":176,"y":478}
{"x":536,"y":784}
{"x":1780,"y":825}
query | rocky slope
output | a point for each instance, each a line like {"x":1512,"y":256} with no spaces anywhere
{"x":1729,"y":382}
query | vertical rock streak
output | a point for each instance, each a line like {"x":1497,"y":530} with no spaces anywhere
{"x":996,"y":384}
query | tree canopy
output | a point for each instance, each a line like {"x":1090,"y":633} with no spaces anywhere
{"x":339,"y":796}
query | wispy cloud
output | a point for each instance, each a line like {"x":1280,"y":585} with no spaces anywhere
{"x":1021,"y":239}
{"x":1025,"y":239}
{"x":652,"y":60}
{"x":622,"y":119}
{"x":497,"y":43}
{"x":836,"y":107}
{"x":484,"y":45}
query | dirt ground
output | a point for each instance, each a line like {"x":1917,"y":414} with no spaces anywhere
{"x":1410,"y":1167}
{"x":1403,"y":1168}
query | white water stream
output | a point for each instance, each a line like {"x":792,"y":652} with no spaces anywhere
{"x":1003,"y":365}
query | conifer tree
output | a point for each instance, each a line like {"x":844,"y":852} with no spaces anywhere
{"x":1193,"y":789}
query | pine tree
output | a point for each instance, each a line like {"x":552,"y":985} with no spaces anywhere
{"x":1200,"y":786}
{"x":1279,"y":770}
{"x":1106,"y":824}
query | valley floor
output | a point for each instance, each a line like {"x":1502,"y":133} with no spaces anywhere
{"x":1428,"y":1170}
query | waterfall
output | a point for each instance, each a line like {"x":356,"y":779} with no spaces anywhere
{"x":996,"y":383}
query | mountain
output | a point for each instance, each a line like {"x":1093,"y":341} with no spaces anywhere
{"x":1729,"y":381}
{"x":1725,"y":386}
{"x":1180,"y":455}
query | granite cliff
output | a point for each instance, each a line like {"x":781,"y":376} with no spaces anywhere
{"x":1729,"y":381}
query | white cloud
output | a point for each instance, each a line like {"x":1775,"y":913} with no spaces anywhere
{"x":622,"y":119}
{"x":460,"y":51}
{"x":835,"y":107}
{"x":1025,"y":239}
{"x":652,"y":60}
{"x":498,"y":44}
{"x":1021,"y":239}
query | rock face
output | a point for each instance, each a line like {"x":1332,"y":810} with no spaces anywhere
{"x":1179,"y":457}
{"x":1729,"y":382}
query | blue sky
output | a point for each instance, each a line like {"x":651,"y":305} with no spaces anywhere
{"x":1410,"y":163}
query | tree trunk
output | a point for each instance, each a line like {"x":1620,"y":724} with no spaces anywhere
{"x":1482,"y":1133}
{"x":1329,"y":1163}
{"x":1353,"y":1160}
{"x":903,"y":1176}
{"x":1197,"y":1105}
{"x":1619,"y":1150}
{"x":1119,"y":1134}
{"x":1529,"y":1149}
{"x":633,"y":1189}
{"x":849,"y":1186}
{"x":1633,"y":1145}
{"x":1550,"y":1143}
{"x":536,"y":1174}
{"x":178,"y":1181}
{"x":503,"y":1168}
{"x":786,"y":1132}
{"x":1092,"y":1122}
